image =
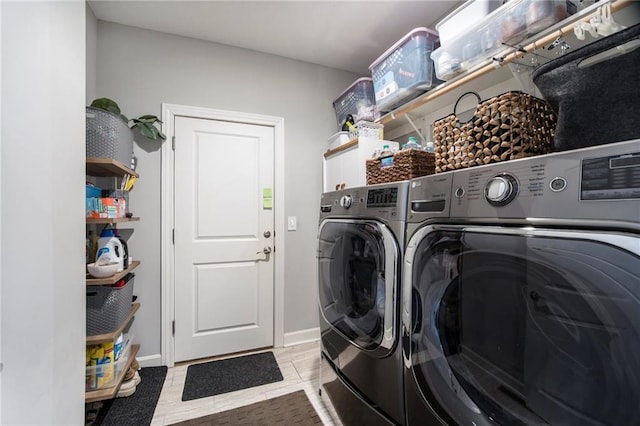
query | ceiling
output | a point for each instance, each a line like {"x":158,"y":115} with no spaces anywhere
{"x":347,"y":35}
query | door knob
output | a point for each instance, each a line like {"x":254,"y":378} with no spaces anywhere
{"x":267,"y":234}
{"x":266,"y":250}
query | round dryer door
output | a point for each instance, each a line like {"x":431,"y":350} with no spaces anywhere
{"x":526,"y":326}
{"x":357,"y":275}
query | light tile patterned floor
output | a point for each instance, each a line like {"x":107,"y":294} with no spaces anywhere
{"x":300,"y":366}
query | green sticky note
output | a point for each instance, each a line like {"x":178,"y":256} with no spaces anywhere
{"x":267,"y":193}
{"x":267,"y":203}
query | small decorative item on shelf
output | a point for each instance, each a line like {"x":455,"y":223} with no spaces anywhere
{"x":406,"y":164}
{"x":506,"y":127}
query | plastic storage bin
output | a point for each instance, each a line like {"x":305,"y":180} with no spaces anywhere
{"x":464,"y":17}
{"x":108,"y":307}
{"x":357,"y":100}
{"x":490,"y":37}
{"x":92,"y":191}
{"x":106,"y":375}
{"x":107,"y":136}
{"x":405,"y":70}
{"x":338,"y":139}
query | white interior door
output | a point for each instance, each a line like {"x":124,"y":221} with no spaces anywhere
{"x":223,"y":221}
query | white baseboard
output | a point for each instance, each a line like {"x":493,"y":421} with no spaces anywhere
{"x":301,"y":336}
{"x":150,"y":360}
{"x":290,"y":339}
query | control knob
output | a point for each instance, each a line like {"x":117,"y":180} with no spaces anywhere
{"x":346,"y":201}
{"x":501,"y":190}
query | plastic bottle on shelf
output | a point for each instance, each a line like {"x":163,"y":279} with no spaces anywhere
{"x":412,"y":143}
{"x":429,"y":146}
{"x":110,"y":249}
{"x":386,"y":156}
{"x":385,"y":151}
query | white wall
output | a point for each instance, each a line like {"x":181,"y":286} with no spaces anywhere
{"x":42,"y":173}
{"x":141,"y":69}
{"x":91,"y":49}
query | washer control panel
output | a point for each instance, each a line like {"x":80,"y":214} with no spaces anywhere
{"x":501,"y":190}
{"x":345,"y":201}
{"x":598,"y":182}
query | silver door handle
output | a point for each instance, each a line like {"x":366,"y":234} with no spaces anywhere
{"x":266,"y":250}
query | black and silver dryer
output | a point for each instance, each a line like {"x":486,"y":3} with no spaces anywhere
{"x":360,"y":245}
{"x":522,"y":307}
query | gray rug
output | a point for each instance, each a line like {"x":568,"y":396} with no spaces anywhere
{"x":290,"y":409}
{"x":138,"y":408}
{"x":228,"y":375}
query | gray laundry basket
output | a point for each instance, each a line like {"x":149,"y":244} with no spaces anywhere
{"x":108,"y":136}
{"x":597,"y":101}
{"x":108,"y":307}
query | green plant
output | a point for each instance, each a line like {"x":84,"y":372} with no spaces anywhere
{"x":145,"y":124}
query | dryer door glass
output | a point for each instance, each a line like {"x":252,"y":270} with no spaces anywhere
{"x":357,"y":262}
{"x":528,"y":326}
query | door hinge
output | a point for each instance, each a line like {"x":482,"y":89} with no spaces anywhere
{"x":173,"y":143}
{"x":173,"y":236}
{"x":173,"y":328}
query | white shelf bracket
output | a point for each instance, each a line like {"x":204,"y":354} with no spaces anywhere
{"x":422,"y":138}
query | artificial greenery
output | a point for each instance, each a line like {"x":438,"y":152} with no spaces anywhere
{"x":145,"y":123}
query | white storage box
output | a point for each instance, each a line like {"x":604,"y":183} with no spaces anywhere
{"x":348,"y":168}
{"x":464,"y":17}
{"x":338,"y":139}
{"x":405,"y":70}
{"x":358,"y":101}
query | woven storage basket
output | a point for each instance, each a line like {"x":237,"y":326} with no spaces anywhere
{"x":107,"y":136}
{"x":506,"y":127}
{"x":108,"y":307}
{"x":407,"y":164}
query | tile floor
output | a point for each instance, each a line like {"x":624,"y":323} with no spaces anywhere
{"x":300,"y":367}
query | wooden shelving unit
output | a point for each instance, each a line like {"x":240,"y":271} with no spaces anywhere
{"x":113,"y":220}
{"x":114,"y":279}
{"x":107,"y":337}
{"x":343,"y":147}
{"x":107,"y":167}
{"x":111,"y":392}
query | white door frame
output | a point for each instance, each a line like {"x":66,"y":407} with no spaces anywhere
{"x":167,"y":259}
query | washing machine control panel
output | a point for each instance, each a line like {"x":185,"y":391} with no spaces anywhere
{"x":345,"y":201}
{"x":595,"y":183}
{"x":501,"y":190}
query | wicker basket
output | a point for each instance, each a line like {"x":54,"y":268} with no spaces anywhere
{"x":107,"y":136}
{"x":506,"y":127}
{"x":407,"y":164}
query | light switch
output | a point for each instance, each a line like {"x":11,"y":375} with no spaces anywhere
{"x":292,"y":223}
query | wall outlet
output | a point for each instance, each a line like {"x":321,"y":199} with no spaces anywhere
{"x":292,"y":223}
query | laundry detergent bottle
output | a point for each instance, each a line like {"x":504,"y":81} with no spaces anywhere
{"x":110,"y":249}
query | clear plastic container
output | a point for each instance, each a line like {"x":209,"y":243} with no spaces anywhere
{"x":358,"y":101}
{"x":466,"y":16}
{"x":405,"y":70}
{"x":106,"y":375}
{"x":493,"y":35}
